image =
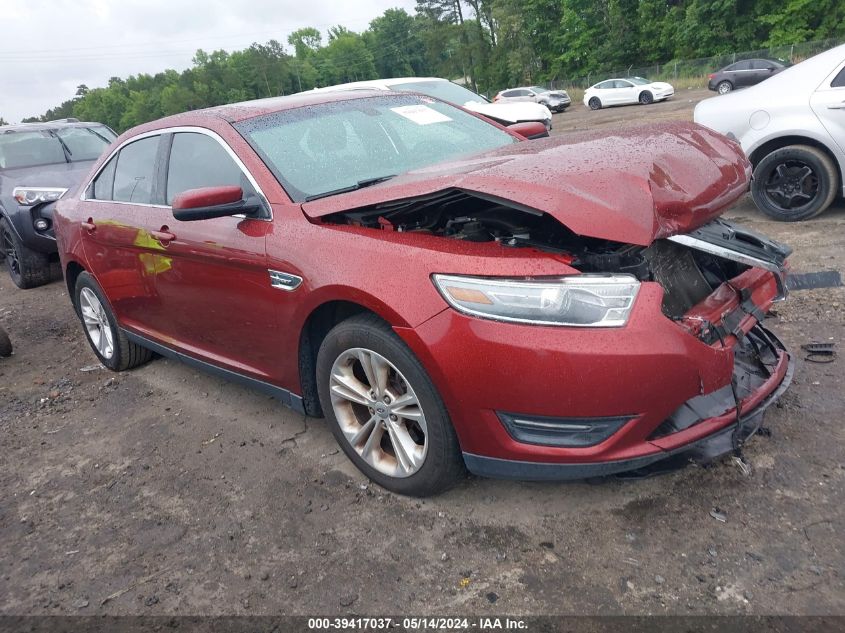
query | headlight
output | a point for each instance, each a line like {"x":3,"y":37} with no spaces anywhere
{"x":580,"y":301}
{"x":28,"y":196}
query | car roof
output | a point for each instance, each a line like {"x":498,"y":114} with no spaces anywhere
{"x":47,"y":125}
{"x":377,"y":84}
{"x":235,"y":112}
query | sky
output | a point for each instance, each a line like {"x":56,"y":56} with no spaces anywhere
{"x":49,"y":47}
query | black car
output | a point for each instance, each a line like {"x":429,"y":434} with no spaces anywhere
{"x":743,"y":74}
{"x":39,"y":163}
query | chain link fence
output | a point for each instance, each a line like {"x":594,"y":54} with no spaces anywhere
{"x":689,"y":70}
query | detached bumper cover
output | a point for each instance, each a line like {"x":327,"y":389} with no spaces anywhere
{"x":724,"y":432}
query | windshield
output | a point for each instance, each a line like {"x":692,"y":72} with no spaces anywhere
{"x":445,"y":90}
{"x":639,"y":81}
{"x":48,"y":147}
{"x":318,"y":150}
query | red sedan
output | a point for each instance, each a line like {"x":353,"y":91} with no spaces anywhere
{"x":448,"y":295}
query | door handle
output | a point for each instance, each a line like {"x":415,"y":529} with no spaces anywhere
{"x":163,"y":236}
{"x":89,"y":225}
{"x":841,"y":106}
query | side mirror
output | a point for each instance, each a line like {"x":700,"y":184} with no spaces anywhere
{"x":213,"y":202}
{"x":529,"y":129}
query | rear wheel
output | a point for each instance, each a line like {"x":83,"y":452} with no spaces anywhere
{"x":108,"y":341}
{"x":384,"y":411}
{"x":724,"y":87}
{"x":646,"y":97}
{"x":794,"y":183}
{"x":594,"y":103}
{"x":27,"y":268}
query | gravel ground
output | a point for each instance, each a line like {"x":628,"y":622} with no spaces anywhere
{"x":163,"y":491}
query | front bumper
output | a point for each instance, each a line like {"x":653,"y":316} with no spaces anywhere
{"x":647,"y":372}
{"x":729,"y":432}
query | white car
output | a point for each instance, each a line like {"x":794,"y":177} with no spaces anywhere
{"x":792,"y":128}
{"x":503,"y":113}
{"x":613,"y":92}
{"x":554,"y":100}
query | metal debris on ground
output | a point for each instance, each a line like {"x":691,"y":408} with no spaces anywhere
{"x":819,"y":352}
{"x":807,"y":281}
{"x":718,"y":515}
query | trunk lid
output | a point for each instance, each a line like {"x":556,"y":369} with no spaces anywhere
{"x":632,"y":186}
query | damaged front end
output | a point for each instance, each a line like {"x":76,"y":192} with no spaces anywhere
{"x":717,"y":281}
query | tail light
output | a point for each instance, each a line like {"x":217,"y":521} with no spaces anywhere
{"x":711,"y":76}
{"x":495,"y":99}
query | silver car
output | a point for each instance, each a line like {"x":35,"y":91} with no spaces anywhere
{"x":792,"y":128}
{"x":554,"y":100}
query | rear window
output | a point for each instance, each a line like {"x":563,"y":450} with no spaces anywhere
{"x":839,"y":80}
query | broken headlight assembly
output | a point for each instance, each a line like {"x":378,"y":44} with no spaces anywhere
{"x":578,"y":301}
{"x":30,"y":196}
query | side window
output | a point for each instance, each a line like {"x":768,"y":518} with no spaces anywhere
{"x":197,"y":160}
{"x":605,"y":85}
{"x":134,"y":173}
{"x":742,"y":66}
{"x":622,"y":84}
{"x":839,"y":80}
{"x":102,"y":188}
{"x":761,"y":64}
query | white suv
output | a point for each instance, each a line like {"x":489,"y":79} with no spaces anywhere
{"x":792,"y":128}
{"x":503,"y":113}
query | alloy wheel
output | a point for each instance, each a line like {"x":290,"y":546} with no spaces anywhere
{"x":11,"y":253}
{"x":379,"y":412}
{"x":96,"y":323}
{"x":724,"y":88}
{"x":792,"y":184}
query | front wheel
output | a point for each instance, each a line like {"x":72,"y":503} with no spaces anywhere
{"x":594,"y":103}
{"x":108,"y":341}
{"x":27,"y":268}
{"x":794,"y":183}
{"x":384,"y":411}
{"x":646,"y":97}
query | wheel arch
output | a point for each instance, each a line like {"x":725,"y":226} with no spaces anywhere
{"x":772,"y":145}
{"x":316,"y":326}
{"x":72,"y":272}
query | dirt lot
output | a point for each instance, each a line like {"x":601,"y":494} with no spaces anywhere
{"x":166,"y":491}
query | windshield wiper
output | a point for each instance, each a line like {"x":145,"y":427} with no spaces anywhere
{"x":65,"y":148}
{"x":366,"y":182}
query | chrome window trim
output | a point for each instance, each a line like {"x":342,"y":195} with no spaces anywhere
{"x":176,"y":130}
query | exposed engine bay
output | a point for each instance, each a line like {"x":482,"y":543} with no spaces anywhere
{"x":689,"y":267}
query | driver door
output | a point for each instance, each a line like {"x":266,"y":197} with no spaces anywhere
{"x":212,"y":278}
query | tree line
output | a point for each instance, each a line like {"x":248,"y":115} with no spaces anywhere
{"x":490,"y":44}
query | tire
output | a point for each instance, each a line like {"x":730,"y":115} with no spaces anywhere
{"x":646,"y":98}
{"x":436,"y":463}
{"x":594,"y":103}
{"x":794,"y":183}
{"x":724,"y":87}
{"x":113,"y":348}
{"x":27,"y":268}
{"x":5,"y":344}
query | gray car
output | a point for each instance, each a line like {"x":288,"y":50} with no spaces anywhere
{"x":39,"y":163}
{"x":554,"y":100}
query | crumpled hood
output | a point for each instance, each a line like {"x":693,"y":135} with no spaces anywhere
{"x":631,"y":186}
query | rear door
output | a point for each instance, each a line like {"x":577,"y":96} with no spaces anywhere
{"x":624,"y":92}
{"x":828,"y":102}
{"x":743,"y":74}
{"x":119,"y":212}
{"x":215,"y":285}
